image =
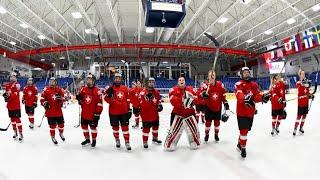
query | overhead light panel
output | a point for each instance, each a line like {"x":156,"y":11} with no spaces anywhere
{"x":291,"y":21}
{"x":42,"y":59}
{"x":12,"y":43}
{"x":316,"y":8}
{"x":41,"y":37}
{"x":2,"y":10}
{"x":149,"y":30}
{"x":268,"y":32}
{"x":165,"y":62}
{"x":23,"y":25}
{"x":249,"y":41}
{"x":87,"y":57}
{"x":222,"y":20}
{"x":76,"y":15}
{"x":62,"y":57}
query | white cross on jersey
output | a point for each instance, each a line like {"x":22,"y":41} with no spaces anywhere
{"x":29,"y":93}
{"x":88,"y":99}
{"x":215,"y":96}
{"x":54,"y":97}
{"x":305,"y":91}
{"x":120,"y":95}
{"x":281,"y":92}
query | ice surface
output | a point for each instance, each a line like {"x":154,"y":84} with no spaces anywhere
{"x":280,"y":157}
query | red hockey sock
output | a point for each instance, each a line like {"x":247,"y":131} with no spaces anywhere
{"x":297,"y":122}
{"x":52,"y":130}
{"x":31,"y":118}
{"x":85,"y":131}
{"x":115,"y":132}
{"x":216,"y":126}
{"x":19,"y":125}
{"x":125,"y":131}
{"x":61,"y":128}
{"x":14,"y":124}
{"x":243,"y":138}
{"x":278,"y":122}
{"x":302,"y":121}
{"x":155,"y":132}
{"x":145,"y":134}
{"x":94,"y":132}
{"x":208,"y":126}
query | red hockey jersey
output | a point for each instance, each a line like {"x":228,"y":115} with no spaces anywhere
{"x":30,"y":95}
{"x":176,"y":96}
{"x":216,"y":96}
{"x":303,"y":95}
{"x":91,"y":102}
{"x":199,"y":99}
{"x":49,"y":94}
{"x":134,"y":96}
{"x":278,"y":91}
{"x":119,"y":102}
{"x":13,"y":90}
{"x":242,"y":88}
{"x":149,"y":109}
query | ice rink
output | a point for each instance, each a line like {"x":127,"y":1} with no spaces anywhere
{"x":281,"y":157}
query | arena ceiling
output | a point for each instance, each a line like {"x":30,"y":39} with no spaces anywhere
{"x":34,"y":24}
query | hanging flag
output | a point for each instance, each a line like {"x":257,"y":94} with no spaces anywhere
{"x":272,"y":53}
{"x":288,"y":45}
{"x":315,"y":32}
{"x":307,"y":39}
{"x":297,"y":42}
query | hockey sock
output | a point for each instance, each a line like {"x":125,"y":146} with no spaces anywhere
{"x":85,"y":131}
{"x":115,"y":132}
{"x":145,"y":134}
{"x":208,"y":126}
{"x":125,"y":131}
{"x":216,"y":126}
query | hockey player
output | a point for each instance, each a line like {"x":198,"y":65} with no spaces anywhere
{"x":150,"y":105}
{"x":11,"y":96}
{"x":182,"y":116}
{"x":247,"y":94}
{"x":278,"y":103}
{"x":303,"y":88}
{"x":200,"y":102}
{"x":117,"y":96}
{"x":214,"y":99}
{"x":30,"y":98}
{"x":52,"y":99}
{"x":134,"y":98}
{"x":90,"y":99}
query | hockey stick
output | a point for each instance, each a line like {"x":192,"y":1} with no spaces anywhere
{"x":316,"y":81}
{"x":78,"y":125}
{"x":216,"y":43}
{"x":5,"y":129}
{"x":41,"y":121}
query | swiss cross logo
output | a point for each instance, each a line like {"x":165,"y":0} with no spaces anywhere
{"x":120,"y":95}
{"x":29,"y":93}
{"x":54,"y":97}
{"x":215,"y":96}
{"x":88,"y":99}
{"x":305,"y":91}
{"x":281,"y":92}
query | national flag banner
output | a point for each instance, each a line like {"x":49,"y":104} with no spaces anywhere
{"x":307,"y":39}
{"x":315,"y":32}
{"x":289,"y":45}
{"x":272,"y":53}
{"x":297,"y":42}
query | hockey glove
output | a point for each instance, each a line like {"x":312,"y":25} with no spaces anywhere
{"x":149,"y":96}
{"x":311,"y":96}
{"x":136,"y":110}
{"x":226,"y":105}
{"x":160,"y":107}
{"x":266,"y":97}
{"x":23,"y":101}
{"x":205,"y":94}
{"x":224,"y":117}
{"x":284,"y":114}
{"x":35,"y":104}
{"x":46,"y":105}
{"x":129,"y":114}
{"x":110,"y":92}
{"x":96,"y":118}
{"x":6,"y":96}
{"x":79,"y":99}
{"x":281,"y":101}
{"x":58,"y":96}
{"x":248,"y":100}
